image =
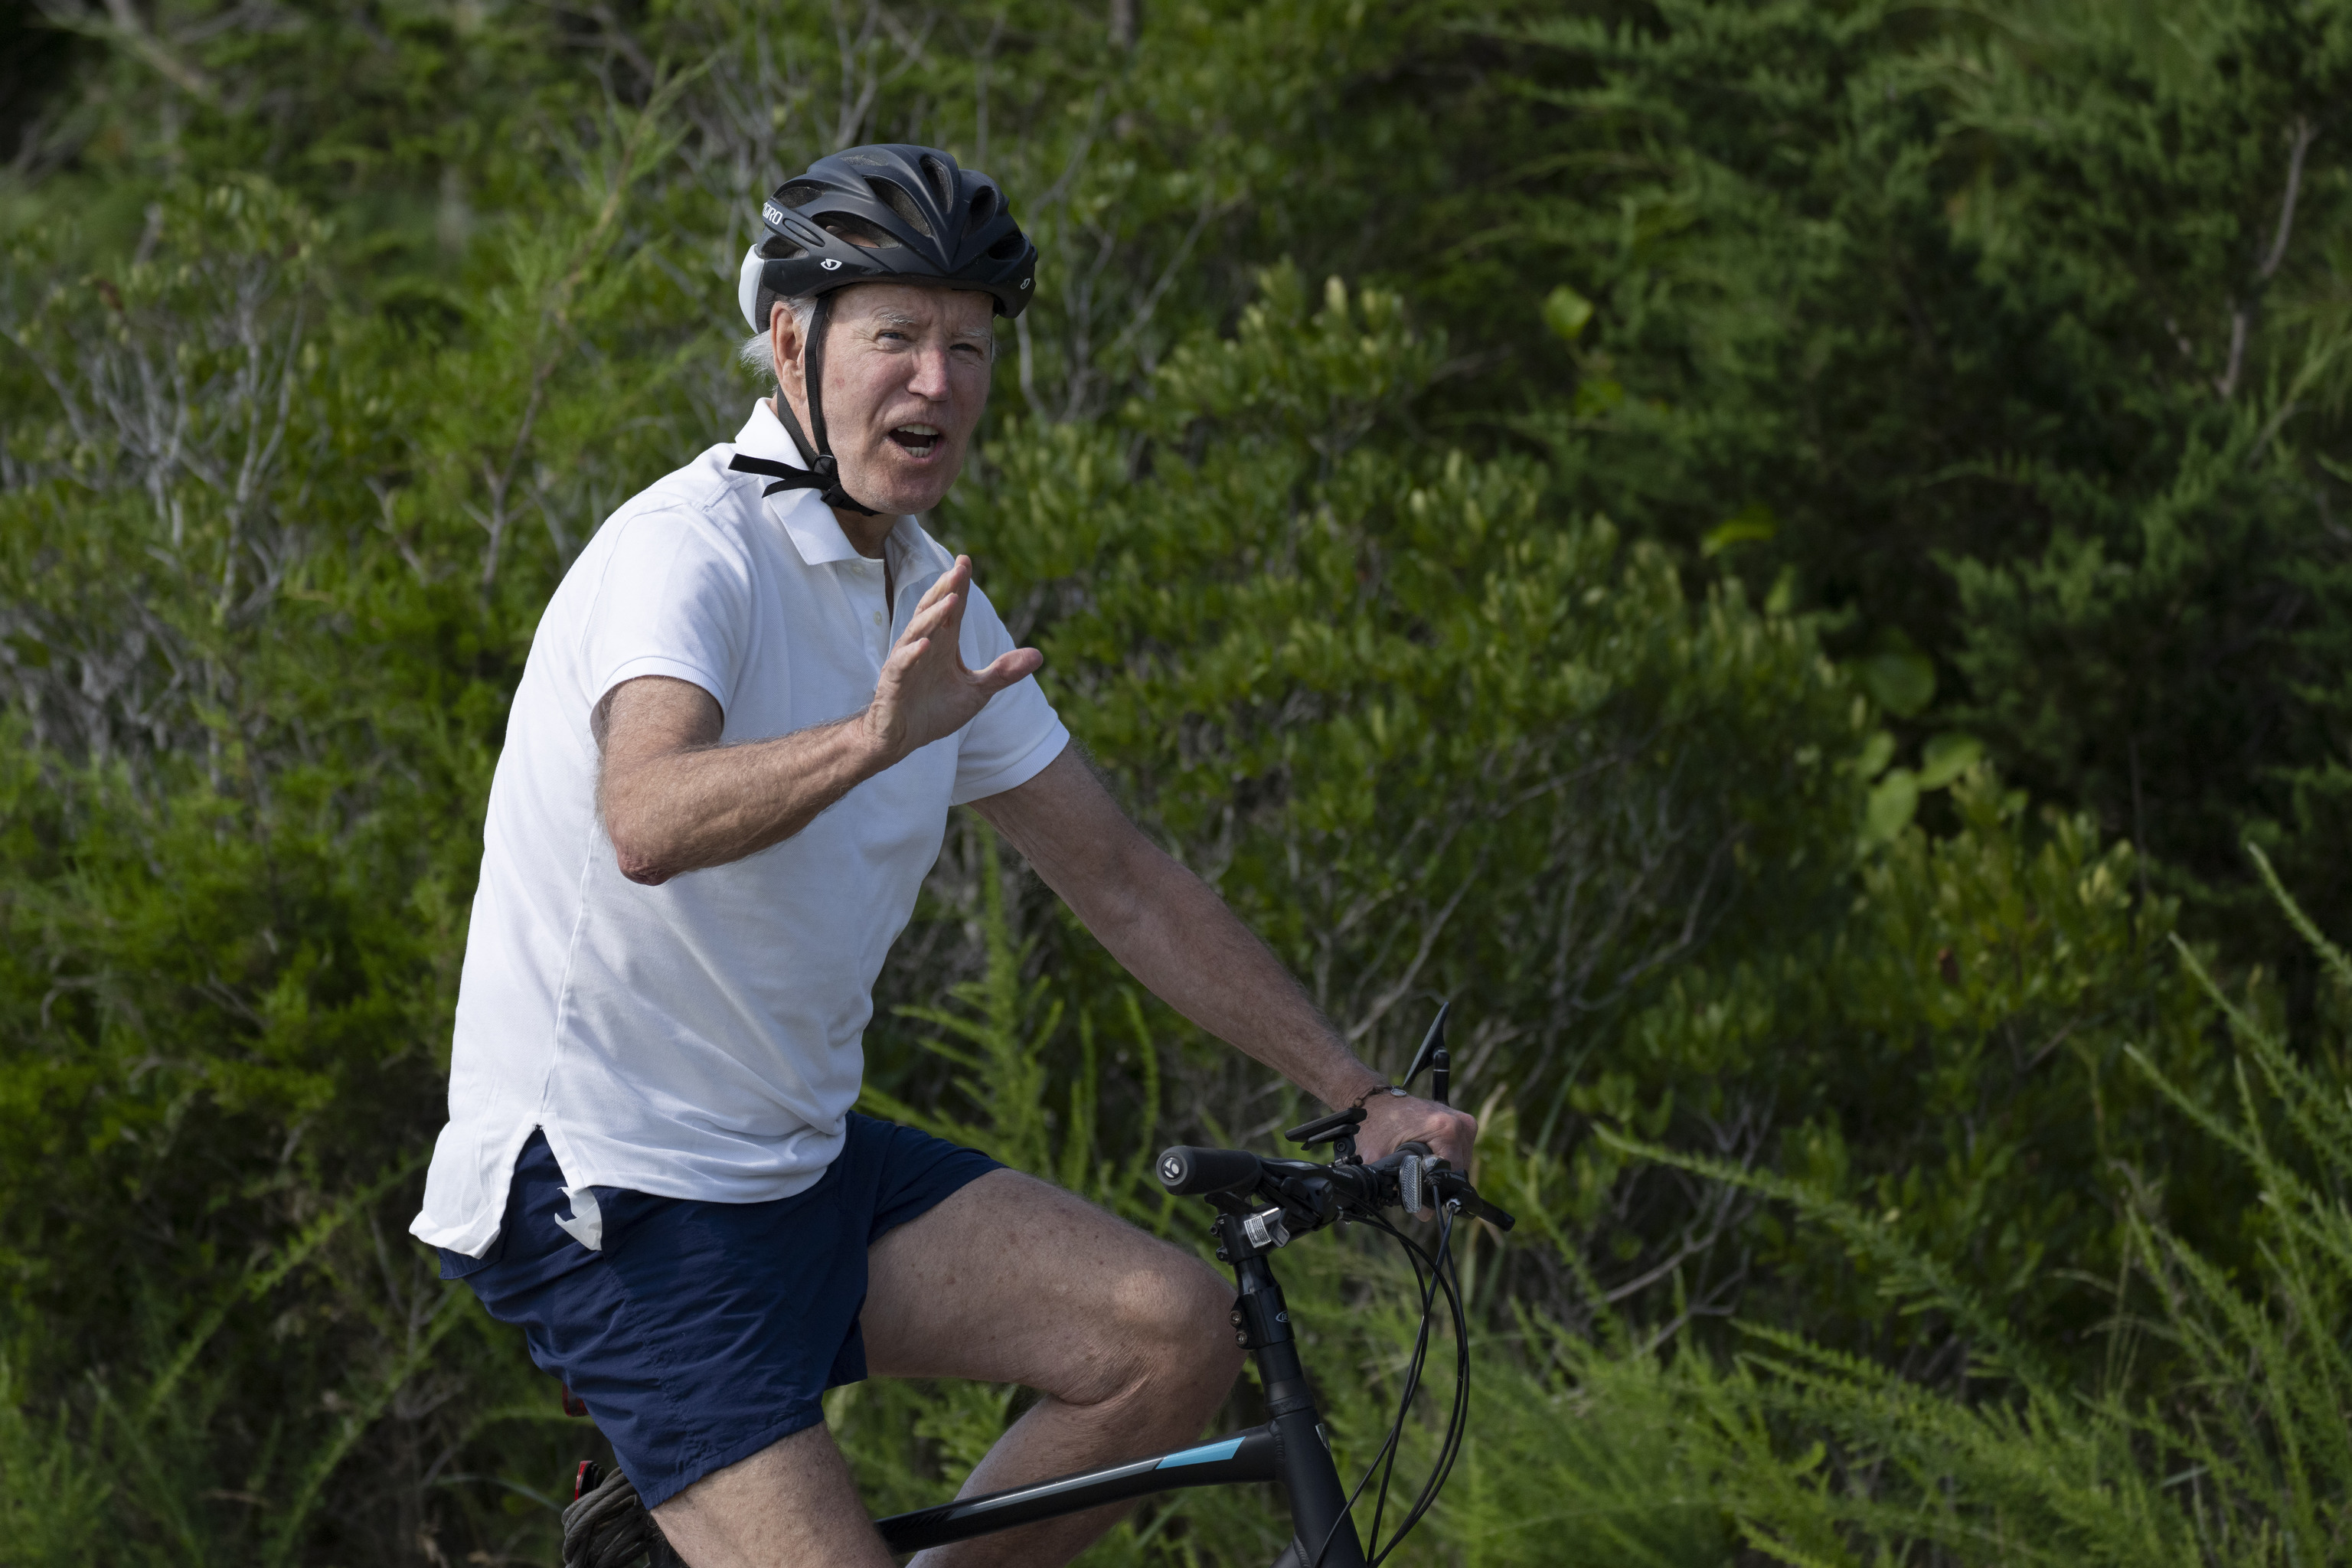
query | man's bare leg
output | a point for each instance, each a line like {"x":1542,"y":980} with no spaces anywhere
{"x":1007,"y":1281}
{"x":790,"y":1505}
{"x":1012,"y":1280}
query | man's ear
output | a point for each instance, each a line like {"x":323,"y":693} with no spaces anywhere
{"x":785,"y":340}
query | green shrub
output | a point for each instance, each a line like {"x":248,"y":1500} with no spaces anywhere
{"x":2210,"y":1430}
{"x":1429,"y":735}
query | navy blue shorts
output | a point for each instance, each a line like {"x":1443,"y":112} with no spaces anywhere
{"x":704,"y":1331}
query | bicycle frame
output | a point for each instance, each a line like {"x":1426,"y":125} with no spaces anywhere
{"x":1291,"y":1448}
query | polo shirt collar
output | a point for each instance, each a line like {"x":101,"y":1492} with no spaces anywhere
{"x":815,"y":531}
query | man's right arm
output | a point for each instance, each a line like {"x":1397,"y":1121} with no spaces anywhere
{"x":673,"y":799}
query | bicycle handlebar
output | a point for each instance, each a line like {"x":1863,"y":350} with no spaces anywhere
{"x":1306,"y":1190}
{"x":1191,"y":1172}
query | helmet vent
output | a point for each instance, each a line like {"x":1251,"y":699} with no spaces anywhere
{"x":983,"y":204}
{"x":1008,"y":247}
{"x":895,"y":196}
{"x":860,"y":233}
{"x":776,"y":247}
{"x":942,"y":181}
{"x":799,"y":194}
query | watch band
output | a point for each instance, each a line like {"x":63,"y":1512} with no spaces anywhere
{"x":1358,"y":1103}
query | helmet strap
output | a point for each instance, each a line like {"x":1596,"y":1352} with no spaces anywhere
{"x":813,"y":368}
{"x":818,"y":454}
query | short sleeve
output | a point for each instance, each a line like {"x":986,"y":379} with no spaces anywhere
{"x":1018,"y":732}
{"x":674,"y":600}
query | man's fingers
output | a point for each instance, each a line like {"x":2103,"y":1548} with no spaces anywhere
{"x":951,"y":619}
{"x":925,"y":693}
{"x":929,"y":619}
{"x":1449,"y":1132}
{"x":1008,"y":668}
{"x":952,"y":580}
{"x":1451,"y":1138}
{"x":902,"y":658}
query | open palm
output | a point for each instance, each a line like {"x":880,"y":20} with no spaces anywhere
{"x":926,"y":691}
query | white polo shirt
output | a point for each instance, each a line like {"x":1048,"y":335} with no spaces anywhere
{"x":700,"y":1039}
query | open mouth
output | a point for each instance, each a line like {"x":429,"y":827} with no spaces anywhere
{"x":917,"y":440}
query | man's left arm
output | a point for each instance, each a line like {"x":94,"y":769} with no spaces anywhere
{"x":1172,"y":932}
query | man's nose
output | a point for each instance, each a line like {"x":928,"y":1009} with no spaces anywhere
{"x":931,"y":377}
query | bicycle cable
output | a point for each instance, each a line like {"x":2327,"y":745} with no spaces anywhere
{"x":1444,"y":1276}
{"x":1432,"y":1275}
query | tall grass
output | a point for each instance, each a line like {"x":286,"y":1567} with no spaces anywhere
{"x":334,"y":1396}
{"x":2216,"y":1434}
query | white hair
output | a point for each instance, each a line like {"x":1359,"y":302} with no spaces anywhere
{"x":757,"y":354}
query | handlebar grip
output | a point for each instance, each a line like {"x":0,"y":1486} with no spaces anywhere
{"x":1192,"y":1172}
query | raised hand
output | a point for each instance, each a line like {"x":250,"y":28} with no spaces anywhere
{"x":925,"y":691}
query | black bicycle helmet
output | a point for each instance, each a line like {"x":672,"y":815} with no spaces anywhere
{"x":890,"y":212}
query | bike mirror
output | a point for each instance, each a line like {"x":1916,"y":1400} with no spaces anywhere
{"x":1430,"y":1043}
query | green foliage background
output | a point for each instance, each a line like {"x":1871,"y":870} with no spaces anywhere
{"x":1792,"y":558}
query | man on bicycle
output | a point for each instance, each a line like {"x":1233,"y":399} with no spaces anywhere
{"x":728,"y":769}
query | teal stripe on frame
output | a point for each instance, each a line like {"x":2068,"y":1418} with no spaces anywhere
{"x":1207,"y":1454}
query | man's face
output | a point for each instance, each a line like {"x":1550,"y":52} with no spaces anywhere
{"x":906,"y":378}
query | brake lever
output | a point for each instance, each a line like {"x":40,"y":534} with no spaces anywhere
{"x":1464,"y":1197}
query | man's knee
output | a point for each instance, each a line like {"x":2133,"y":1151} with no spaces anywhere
{"x":1172,"y":1326}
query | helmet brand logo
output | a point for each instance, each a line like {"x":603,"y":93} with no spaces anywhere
{"x":771,"y":212}
{"x":832,"y":264}
{"x":1024,"y":282}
